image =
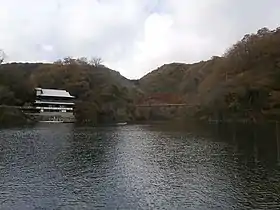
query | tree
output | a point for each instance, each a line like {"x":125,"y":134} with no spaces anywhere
{"x":66,"y":61}
{"x":263,"y":31}
{"x":7,"y":97}
{"x":2,"y":56}
{"x":86,"y":112}
{"x":58,"y":62}
{"x":96,"y":61}
{"x":82,"y":61}
{"x":69,"y":61}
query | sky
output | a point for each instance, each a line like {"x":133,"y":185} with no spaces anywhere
{"x":133,"y":37}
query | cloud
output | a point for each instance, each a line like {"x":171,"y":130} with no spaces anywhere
{"x":47,"y":48}
{"x":132,"y":36}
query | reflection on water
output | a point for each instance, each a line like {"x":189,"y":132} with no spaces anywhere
{"x":164,"y":166}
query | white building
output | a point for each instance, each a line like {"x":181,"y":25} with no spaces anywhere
{"x":52,"y":100}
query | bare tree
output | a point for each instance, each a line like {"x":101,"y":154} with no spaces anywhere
{"x":69,"y":60}
{"x":96,"y":61}
{"x":58,"y":62}
{"x":82,"y":61}
{"x":2,"y":56}
{"x":263,"y":31}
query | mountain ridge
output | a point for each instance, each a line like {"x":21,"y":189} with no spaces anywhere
{"x":243,"y":83}
{"x":246,"y":77}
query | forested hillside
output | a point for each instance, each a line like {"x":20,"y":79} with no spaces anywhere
{"x":102,"y":94}
{"x":244,"y":82}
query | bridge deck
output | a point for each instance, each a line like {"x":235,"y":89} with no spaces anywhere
{"x":164,"y":105}
{"x":140,"y":105}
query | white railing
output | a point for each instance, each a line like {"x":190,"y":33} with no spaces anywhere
{"x":54,"y":102}
{"x":54,"y":108}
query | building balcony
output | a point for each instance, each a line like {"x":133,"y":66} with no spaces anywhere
{"x":54,"y":103}
{"x":54,"y":109}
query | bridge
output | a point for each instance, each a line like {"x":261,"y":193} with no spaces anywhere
{"x":138,"y":105}
{"x":166,"y":105}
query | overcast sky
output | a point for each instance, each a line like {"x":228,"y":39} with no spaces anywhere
{"x":132,"y":36}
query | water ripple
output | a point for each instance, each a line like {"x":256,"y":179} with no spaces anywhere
{"x":130,"y":167}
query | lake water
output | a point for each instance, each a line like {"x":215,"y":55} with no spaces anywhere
{"x":160,"y":166}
